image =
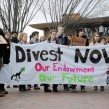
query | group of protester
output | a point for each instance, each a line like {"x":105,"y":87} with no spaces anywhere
{"x":57,"y":37}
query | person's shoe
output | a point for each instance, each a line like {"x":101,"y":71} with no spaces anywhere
{"x":8,"y":86}
{"x":95,"y":88}
{"x":15,"y":86}
{"x":83,"y":90}
{"x":102,"y":88}
{"x":28,"y":87}
{"x":47,"y":90}
{"x":70,"y":87}
{"x":2,"y":95}
{"x":55,"y":90}
{"x":4,"y":92}
{"x":36,"y":87}
{"x":74,"y":90}
{"x":66,"y":89}
{"x":20,"y":89}
{"x":23,"y":89}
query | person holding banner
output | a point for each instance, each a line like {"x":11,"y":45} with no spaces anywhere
{"x":1,"y":63}
{"x":52,"y":39}
{"x":63,"y":40}
{"x":96,"y":41}
{"x":46,"y":86}
{"x":34,"y":38}
{"x":14,"y":39}
{"x":23,"y":40}
{"x":81,"y":34}
{"x":8,"y":37}
{"x":5,"y":56}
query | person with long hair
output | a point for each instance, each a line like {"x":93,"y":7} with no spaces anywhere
{"x":52,"y":39}
{"x":34,"y":37}
{"x":42,"y":39}
{"x":22,"y":40}
{"x":96,"y":41}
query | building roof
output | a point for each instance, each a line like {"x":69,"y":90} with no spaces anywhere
{"x":40,"y":26}
{"x":87,"y":23}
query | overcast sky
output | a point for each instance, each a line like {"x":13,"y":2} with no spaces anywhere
{"x":39,"y":18}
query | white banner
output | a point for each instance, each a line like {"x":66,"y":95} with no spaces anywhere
{"x":57,"y":64}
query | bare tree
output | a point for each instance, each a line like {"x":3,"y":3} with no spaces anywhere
{"x":16,"y":14}
{"x":63,"y":12}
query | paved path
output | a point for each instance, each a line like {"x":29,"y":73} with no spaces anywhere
{"x":35,"y":99}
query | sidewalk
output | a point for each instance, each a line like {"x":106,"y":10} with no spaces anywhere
{"x":37,"y":99}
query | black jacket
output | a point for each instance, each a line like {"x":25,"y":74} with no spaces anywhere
{"x":87,"y":40}
{"x":1,"y":49}
{"x":5,"y":52}
{"x":14,"y":40}
{"x":63,"y":40}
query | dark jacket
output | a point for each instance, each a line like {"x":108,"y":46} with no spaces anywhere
{"x":14,"y":40}
{"x":1,"y":62}
{"x":63,"y":40}
{"x":87,"y":40}
{"x":6,"y":52}
{"x":1,"y":49}
{"x":1,"y":45}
